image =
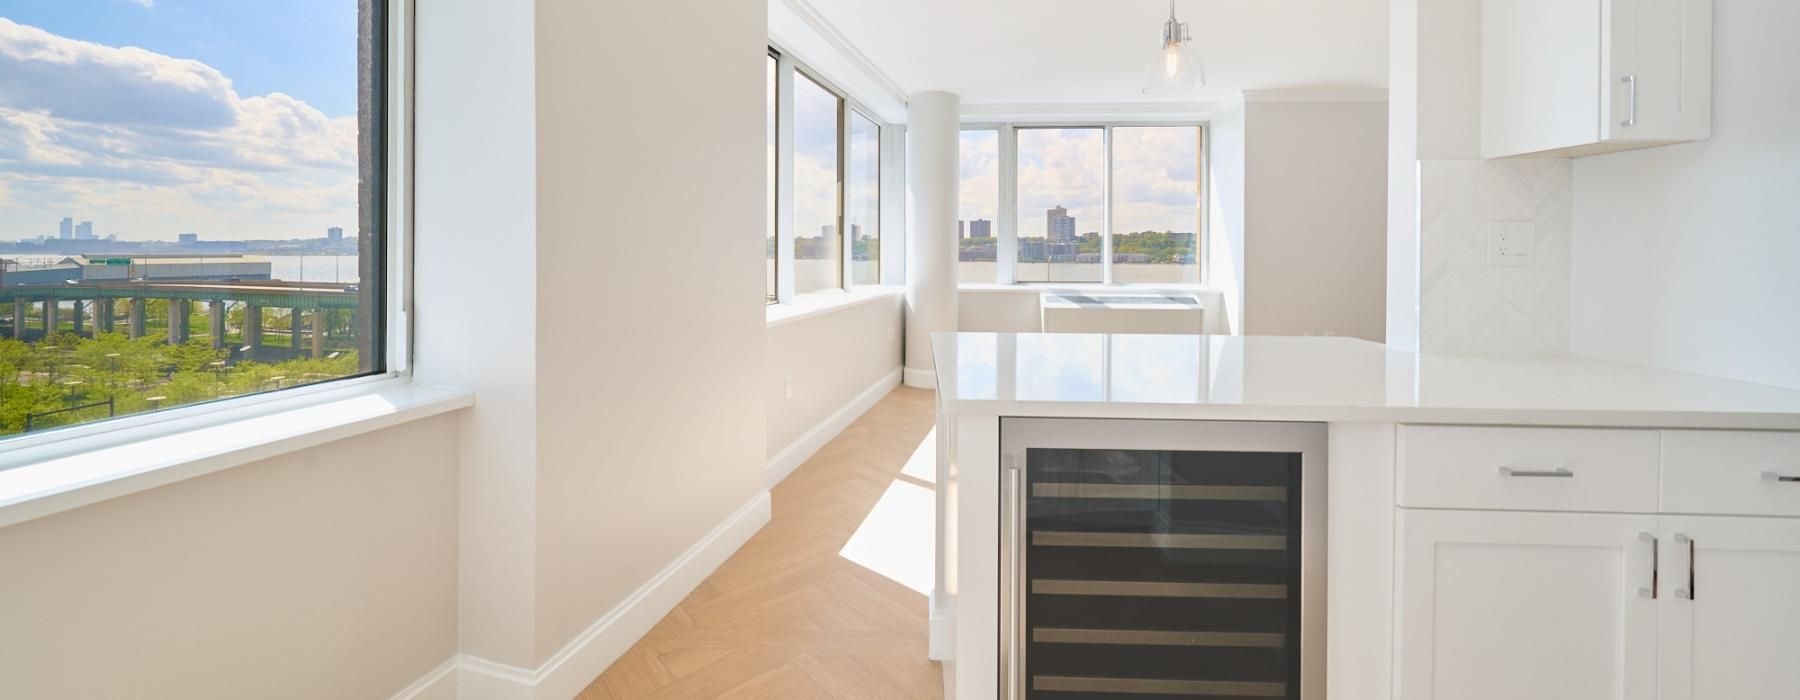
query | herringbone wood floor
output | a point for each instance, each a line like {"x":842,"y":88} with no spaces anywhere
{"x":787,"y":617}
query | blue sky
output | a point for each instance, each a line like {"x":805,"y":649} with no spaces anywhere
{"x":153,"y":118}
{"x":304,"y":48}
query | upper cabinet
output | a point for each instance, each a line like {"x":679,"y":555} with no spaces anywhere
{"x":1568,"y":78}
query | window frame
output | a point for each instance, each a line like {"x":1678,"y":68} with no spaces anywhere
{"x":787,"y":69}
{"x":393,"y":248}
{"x":775,"y":189}
{"x":1007,"y":243}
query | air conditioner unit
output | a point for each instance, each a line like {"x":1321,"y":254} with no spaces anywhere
{"x":1122,"y":312}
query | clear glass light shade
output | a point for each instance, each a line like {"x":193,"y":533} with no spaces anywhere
{"x":1174,"y":69}
{"x":1176,"y":66}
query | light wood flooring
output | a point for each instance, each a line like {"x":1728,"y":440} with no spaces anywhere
{"x":787,"y":616}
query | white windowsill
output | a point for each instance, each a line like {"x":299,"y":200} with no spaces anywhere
{"x":1041,"y":287}
{"x":817,"y":303}
{"x":42,"y":480}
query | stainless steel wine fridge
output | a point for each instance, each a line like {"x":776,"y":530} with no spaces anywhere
{"x":1161,"y":558}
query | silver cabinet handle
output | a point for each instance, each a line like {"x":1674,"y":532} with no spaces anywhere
{"x":1688,"y":592}
{"x":1780,"y":478}
{"x":1014,"y":590}
{"x":1655,"y":566}
{"x":1630,"y":82}
{"x":1557,"y":473}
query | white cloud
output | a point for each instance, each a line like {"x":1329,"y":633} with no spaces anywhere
{"x":93,"y":129}
{"x":146,"y":4}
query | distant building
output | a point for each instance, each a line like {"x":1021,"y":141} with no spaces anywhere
{"x":67,"y":229}
{"x":334,"y":234}
{"x":187,"y":239}
{"x":84,"y":231}
{"x":1059,"y":225}
{"x":981,"y":228}
{"x":856,"y":232}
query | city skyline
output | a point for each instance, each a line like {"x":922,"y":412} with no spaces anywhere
{"x":161,"y":119}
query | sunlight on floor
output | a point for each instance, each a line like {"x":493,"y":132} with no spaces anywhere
{"x":922,"y":465}
{"x":896,"y":538}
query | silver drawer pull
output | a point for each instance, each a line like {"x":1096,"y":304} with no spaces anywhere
{"x":1780,"y":478}
{"x":1557,"y":473}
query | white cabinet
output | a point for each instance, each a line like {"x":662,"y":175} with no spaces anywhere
{"x":1730,"y":609}
{"x":1578,"y":77}
{"x":1548,"y":606}
{"x":1498,"y":599}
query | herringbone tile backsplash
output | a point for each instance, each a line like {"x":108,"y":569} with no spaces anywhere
{"x":1468,"y":306}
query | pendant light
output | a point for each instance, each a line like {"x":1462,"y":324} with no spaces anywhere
{"x":1176,"y":67}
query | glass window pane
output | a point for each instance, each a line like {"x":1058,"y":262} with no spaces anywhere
{"x":977,"y":238}
{"x":1062,"y":204}
{"x":865,"y":200}
{"x":769,"y":235}
{"x":817,"y":264}
{"x":1156,"y":204}
{"x":215,"y":230}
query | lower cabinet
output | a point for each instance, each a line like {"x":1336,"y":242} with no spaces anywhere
{"x":1730,"y":622}
{"x":1506,"y":606}
{"x":1574,"y":606}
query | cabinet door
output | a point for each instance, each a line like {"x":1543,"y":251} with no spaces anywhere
{"x":1730,"y":622}
{"x":1657,"y":57}
{"x":1547,"y":606}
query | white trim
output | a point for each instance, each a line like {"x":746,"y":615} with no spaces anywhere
{"x":940,"y":636}
{"x":1317,"y":95}
{"x":813,"y":304}
{"x":804,"y":447}
{"x":439,"y":684}
{"x":919,"y":378}
{"x":52,"y":479}
{"x":1111,"y":112}
{"x":829,"y":32}
{"x":585,"y":657}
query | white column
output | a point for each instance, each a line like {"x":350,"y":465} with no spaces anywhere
{"x":931,"y":182}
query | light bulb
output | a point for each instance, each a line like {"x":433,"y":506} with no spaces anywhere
{"x":1171,"y":61}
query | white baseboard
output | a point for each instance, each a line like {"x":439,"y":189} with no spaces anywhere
{"x":803,"y":448}
{"x":583,"y":659}
{"x":439,"y":684}
{"x":602,"y":643}
{"x":921,"y":378}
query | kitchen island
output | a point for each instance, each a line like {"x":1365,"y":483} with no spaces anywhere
{"x":1418,"y":520}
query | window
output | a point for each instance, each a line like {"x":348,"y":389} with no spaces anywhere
{"x":978,"y":201}
{"x":1089,"y":204}
{"x":864,"y":200}
{"x":817,"y":177}
{"x":187,"y":216}
{"x":825,"y":183}
{"x":774,"y":174}
{"x":1156,"y":204}
{"x":1062,"y":204}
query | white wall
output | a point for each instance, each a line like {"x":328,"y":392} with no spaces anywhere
{"x":828,"y":361}
{"x":475,"y":220}
{"x":1685,"y":256}
{"x":1315,"y":193}
{"x":1225,"y":214}
{"x":650,"y":197}
{"x":325,"y":573}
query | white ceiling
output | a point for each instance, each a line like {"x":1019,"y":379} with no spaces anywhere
{"x":1005,"y":52}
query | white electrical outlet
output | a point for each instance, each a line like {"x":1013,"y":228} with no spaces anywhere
{"x":1511,"y":243}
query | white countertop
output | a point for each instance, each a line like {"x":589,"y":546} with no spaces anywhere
{"x":1328,"y":379}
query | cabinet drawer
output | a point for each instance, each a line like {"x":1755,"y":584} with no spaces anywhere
{"x":1731,"y":473}
{"x":1528,"y":468}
